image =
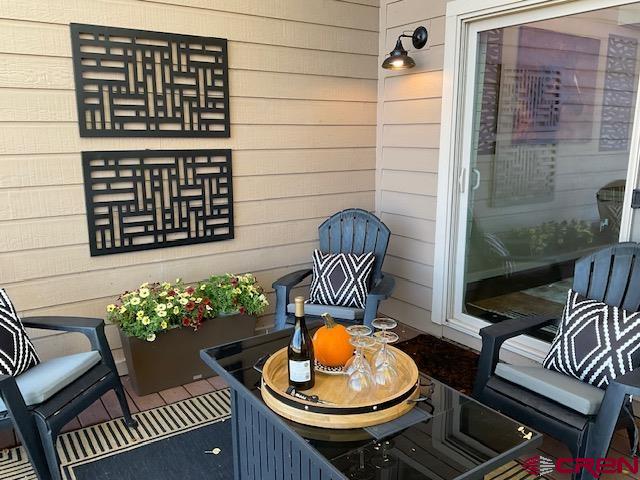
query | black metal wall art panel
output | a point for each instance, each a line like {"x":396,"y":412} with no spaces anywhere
{"x":619,"y":94}
{"x":138,"y":200}
{"x":488,"y":127}
{"x":135,"y":83}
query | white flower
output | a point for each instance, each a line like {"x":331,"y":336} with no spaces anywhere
{"x":111,"y":308}
{"x":184,"y":301}
{"x":162,"y":313}
{"x":144,"y":292}
{"x":146,"y":320}
{"x":176,"y":310}
{"x":135,"y":301}
{"x":151,"y":337}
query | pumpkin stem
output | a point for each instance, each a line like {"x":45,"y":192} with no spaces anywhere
{"x":328,"y":320}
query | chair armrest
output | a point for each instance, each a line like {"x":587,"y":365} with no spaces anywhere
{"x":92,"y":328}
{"x":493,"y":336}
{"x":382,"y":290}
{"x":283,"y":287}
{"x":507,"y":329}
{"x":629,"y":382}
{"x":291,"y":279}
{"x":67,"y":324}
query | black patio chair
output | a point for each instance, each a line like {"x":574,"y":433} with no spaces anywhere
{"x":349,"y":231}
{"x":78,"y":380}
{"x":580,"y":415}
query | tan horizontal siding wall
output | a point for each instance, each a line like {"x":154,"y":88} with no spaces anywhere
{"x":409,"y":105}
{"x":303,"y":87}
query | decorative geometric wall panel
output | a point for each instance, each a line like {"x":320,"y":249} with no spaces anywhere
{"x":530,"y":103}
{"x":135,"y":83}
{"x":138,"y":200}
{"x":523,"y":174}
{"x":487,"y":127}
{"x":619,"y":93}
{"x":528,"y":116}
{"x":572,"y":63}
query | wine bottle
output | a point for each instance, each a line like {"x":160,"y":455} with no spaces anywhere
{"x":300,"y":352}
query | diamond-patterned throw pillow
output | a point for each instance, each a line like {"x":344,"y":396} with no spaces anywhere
{"x":595,"y":342}
{"x":341,"y":278}
{"x":17,"y":353}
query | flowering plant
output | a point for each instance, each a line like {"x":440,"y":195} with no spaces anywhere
{"x":155,"y":308}
{"x":234,"y":293}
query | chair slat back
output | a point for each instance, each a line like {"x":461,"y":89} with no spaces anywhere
{"x":611,"y":275}
{"x":356,"y":231}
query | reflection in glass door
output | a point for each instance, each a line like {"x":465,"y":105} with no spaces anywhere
{"x":554,"y":103}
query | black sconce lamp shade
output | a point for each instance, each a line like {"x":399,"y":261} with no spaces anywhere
{"x":398,"y":59}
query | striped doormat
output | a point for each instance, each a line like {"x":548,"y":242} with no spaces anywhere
{"x":96,"y":447}
{"x":91,"y":444}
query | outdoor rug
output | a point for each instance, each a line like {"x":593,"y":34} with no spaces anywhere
{"x":183,"y":440}
{"x":448,"y":362}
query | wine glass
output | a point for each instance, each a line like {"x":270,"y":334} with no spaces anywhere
{"x":360,"y":379}
{"x":352,"y":364}
{"x":385,"y":374}
{"x":384,"y":354}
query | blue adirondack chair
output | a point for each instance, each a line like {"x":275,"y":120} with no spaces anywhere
{"x":349,"y":231}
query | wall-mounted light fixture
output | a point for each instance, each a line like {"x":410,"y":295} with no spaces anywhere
{"x":398,"y":58}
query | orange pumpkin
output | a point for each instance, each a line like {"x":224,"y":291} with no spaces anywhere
{"x":331,"y":343}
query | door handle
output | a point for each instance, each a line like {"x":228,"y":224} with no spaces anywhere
{"x":477,"y":184}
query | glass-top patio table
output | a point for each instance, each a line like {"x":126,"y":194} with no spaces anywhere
{"x":446,"y":436}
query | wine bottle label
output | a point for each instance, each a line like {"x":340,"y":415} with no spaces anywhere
{"x":299,"y":371}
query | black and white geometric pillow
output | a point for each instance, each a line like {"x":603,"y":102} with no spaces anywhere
{"x":341,"y":278}
{"x":17,"y":353}
{"x":595,"y":342}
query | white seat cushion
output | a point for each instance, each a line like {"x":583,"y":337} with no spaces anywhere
{"x":343,"y":313}
{"x":561,"y":388}
{"x":41,"y":382}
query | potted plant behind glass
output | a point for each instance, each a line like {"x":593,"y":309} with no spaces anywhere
{"x":164,"y":326}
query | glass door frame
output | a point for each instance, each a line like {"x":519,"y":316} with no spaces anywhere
{"x":464,"y":20}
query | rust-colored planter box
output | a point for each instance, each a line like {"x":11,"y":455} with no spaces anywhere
{"x":173,"y":359}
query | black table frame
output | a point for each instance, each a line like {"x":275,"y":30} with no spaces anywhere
{"x":265,"y":447}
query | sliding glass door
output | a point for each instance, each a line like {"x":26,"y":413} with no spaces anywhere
{"x":547,"y":165}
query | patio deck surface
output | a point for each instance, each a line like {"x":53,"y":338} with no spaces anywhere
{"x":107,"y":408}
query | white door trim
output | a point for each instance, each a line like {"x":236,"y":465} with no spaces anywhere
{"x":459,"y":23}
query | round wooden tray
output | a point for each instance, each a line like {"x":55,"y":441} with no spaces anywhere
{"x":346,"y":408}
